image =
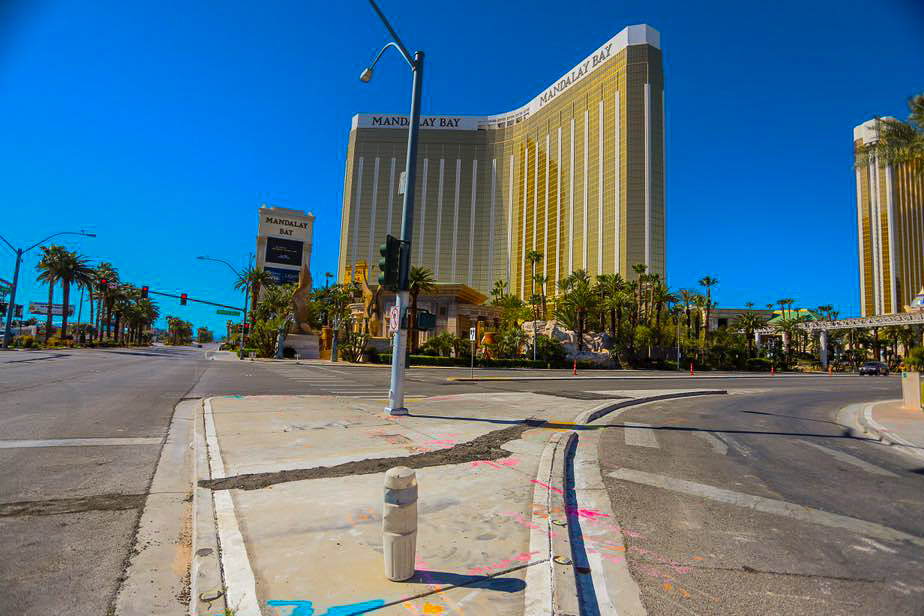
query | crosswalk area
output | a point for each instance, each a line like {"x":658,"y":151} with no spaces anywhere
{"x":327,"y":381}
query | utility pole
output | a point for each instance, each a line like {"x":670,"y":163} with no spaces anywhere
{"x":396,"y":390}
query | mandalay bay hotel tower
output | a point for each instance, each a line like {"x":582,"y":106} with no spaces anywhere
{"x":576,"y":174}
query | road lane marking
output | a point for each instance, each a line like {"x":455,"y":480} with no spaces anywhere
{"x":741,"y":449}
{"x":766,"y":505}
{"x":849,"y":459}
{"x":640,"y":435}
{"x":878,"y":545}
{"x":80,"y":442}
{"x":718,"y":445}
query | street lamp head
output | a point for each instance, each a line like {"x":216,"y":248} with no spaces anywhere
{"x":366,"y":75}
{"x":202,"y":258}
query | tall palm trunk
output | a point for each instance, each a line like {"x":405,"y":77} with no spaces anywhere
{"x":92,"y":332}
{"x":51,"y":297}
{"x":580,"y":331}
{"x":118,"y":327}
{"x":66,"y":284}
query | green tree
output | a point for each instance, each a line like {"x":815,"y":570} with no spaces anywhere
{"x":580,"y":297}
{"x":74,"y":269}
{"x":51,"y":267}
{"x":420,"y":280}
{"x":533,"y":257}
{"x":899,"y":142}
{"x":253,"y":278}
{"x":708,"y":282}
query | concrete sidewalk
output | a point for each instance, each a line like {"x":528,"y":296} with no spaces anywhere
{"x":297,"y":487}
{"x":901,"y":427}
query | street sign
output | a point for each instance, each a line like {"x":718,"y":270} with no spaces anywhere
{"x":57,"y":310}
{"x":393,"y":318}
{"x":230,"y":313}
{"x":471,"y":334}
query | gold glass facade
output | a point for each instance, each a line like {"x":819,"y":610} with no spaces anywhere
{"x":890,"y":225}
{"x":577,"y":175}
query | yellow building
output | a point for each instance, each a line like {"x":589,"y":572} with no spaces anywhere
{"x":890,"y":224}
{"x":576,"y":174}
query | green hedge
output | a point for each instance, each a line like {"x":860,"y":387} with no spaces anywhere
{"x":429,"y":360}
{"x":759,"y":364}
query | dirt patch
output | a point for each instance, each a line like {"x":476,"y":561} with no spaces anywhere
{"x":100,"y":502}
{"x":485,"y":447}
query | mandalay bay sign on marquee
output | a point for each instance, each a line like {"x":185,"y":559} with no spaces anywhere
{"x":629,"y":36}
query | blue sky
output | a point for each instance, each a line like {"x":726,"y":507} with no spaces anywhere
{"x":162,"y":126}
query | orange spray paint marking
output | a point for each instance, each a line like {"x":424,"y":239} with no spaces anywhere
{"x":668,"y":586}
{"x":430,"y":608}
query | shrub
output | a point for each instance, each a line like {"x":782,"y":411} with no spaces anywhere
{"x":26,"y":342}
{"x":914,"y":361}
{"x":429,"y":360}
{"x":759,"y":364}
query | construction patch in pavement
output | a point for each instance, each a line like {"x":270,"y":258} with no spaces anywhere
{"x":484,"y":447}
{"x":99,"y":502}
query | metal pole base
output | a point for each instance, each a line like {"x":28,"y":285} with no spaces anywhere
{"x":398,"y":411}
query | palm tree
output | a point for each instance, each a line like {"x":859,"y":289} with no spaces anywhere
{"x":420,"y":280}
{"x":541,"y":280}
{"x":899,"y":142}
{"x":533,"y":257}
{"x":581,"y":297}
{"x":610,"y":287}
{"x":253,"y":279}
{"x":639,"y":269}
{"x":498,"y":291}
{"x":50,"y":268}
{"x":659,"y":297}
{"x":74,"y":269}
{"x":105,"y":271}
{"x":747,"y":322}
{"x":708,"y":282}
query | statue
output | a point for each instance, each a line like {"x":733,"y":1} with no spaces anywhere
{"x":372,"y":311}
{"x":301,"y":299}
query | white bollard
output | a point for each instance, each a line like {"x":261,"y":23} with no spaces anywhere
{"x":399,"y":523}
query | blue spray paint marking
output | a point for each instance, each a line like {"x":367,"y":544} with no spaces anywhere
{"x":304,"y":608}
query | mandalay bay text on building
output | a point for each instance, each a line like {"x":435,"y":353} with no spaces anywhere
{"x":577,"y":174}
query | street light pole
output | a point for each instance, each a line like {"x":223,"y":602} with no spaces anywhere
{"x":396,"y":390}
{"x":7,"y":330}
{"x":240,"y":353}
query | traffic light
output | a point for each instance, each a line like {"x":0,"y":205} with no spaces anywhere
{"x":246,"y":329}
{"x":182,"y":299}
{"x":390,"y":263}
{"x":144,"y":292}
{"x":103,"y":283}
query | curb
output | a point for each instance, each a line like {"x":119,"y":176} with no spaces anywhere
{"x":665,"y":377}
{"x":205,"y":578}
{"x":883,"y":434}
{"x":616,"y":593}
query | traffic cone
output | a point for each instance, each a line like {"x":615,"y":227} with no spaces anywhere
{"x":772,"y":370}
{"x":574,"y":369}
{"x":691,"y":368}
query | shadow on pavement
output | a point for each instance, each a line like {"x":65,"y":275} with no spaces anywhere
{"x":469,"y":581}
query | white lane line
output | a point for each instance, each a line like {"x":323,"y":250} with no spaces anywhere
{"x":240,"y":585}
{"x":849,"y":459}
{"x":878,"y":545}
{"x":81,"y":442}
{"x":718,"y":445}
{"x":767,"y":505}
{"x":741,"y":449}
{"x":640,"y":435}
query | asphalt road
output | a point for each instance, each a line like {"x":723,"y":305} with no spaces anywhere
{"x":683,"y":477}
{"x":69,"y":510}
{"x":68,"y":513}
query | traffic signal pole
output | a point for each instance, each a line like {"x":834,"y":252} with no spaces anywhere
{"x":8,"y":329}
{"x":396,"y":391}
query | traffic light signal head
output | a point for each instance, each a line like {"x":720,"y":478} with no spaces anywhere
{"x":103,"y":283}
{"x":182,"y":299}
{"x":144,"y":292}
{"x":390,"y":263}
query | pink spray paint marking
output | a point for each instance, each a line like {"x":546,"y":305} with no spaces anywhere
{"x":547,"y":486}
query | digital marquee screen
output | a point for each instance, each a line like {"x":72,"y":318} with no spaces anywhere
{"x":284,"y":252}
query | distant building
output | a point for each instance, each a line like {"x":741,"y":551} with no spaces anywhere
{"x":890,"y":228}
{"x":576,"y":174}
